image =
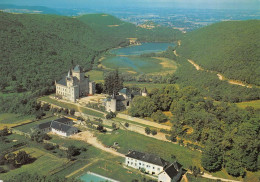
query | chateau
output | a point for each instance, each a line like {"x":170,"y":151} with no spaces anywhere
{"x":75,"y":85}
{"x":123,"y":100}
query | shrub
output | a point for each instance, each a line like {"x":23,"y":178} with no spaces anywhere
{"x":127,"y":125}
{"x":48,"y":146}
{"x":154,"y":132}
{"x":147,"y":130}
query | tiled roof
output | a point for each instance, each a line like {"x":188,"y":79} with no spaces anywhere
{"x":62,"y":81}
{"x":63,"y":120}
{"x":150,"y":158}
{"x":61,"y":127}
{"x":77,"y":69}
{"x":173,"y":169}
{"x":44,"y":125}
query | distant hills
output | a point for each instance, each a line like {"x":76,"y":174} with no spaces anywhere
{"x":231,"y":48}
{"x":113,"y":27}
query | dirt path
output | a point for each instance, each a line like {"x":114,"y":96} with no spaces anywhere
{"x":143,"y":121}
{"x":205,"y":175}
{"x":89,"y":137}
{"x":220,"y":76}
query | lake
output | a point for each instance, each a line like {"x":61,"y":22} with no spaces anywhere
{"x":127,"y":59}
{"x":142,"y":49}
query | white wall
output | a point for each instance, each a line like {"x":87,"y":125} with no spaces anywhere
{"x":149,"y":168}
{"x":163,"y":177}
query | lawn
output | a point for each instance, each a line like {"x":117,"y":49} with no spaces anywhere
{"x":14,"y":139}
{"x":44,"y":163}
{"x":96,"y":76}
{"x":11,"y":120}
{"x":71,"y":106}
{"x":133,"y":141}
{"x":27,"y":127}
{"x":255,"y":104}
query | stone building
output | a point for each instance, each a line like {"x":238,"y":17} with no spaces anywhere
{"x":123,"y":100}
{"x":61,"y":126}
{"x":75,"y":85}
{"x":152,"y":164}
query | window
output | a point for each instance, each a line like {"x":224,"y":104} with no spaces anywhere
{"x":153,"y":167}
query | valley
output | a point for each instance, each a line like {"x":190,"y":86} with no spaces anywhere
{"x":79,"y":95}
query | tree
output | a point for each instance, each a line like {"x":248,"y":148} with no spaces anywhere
{"x":147,"y":130}
{"x":72,"y":112}
{"x":22,"y":158}
{"x":4,"y":132}
{"x":142,"y":107}
{"x":114,"y":126}
{"x":159,"y":117}
{"x":2,"y":170}
{"x":38,"y":136}
{"x":154,"y":132}
{"x":48,"y":146}
{"x":113,"y":82}
{"x":72,"y":151}
{"x":211,"y":158}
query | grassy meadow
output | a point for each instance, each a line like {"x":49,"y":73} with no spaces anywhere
{"x":71,"y":106}
{"x":11,"y":120}
{"x":255,"y":104}
{"x":133,"y":141}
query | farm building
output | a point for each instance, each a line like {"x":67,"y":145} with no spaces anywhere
{"x":61,"y":126}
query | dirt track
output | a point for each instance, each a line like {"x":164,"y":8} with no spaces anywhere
{"x":89,"y":137}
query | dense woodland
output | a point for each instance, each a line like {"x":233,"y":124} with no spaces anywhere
{"x":211,"y":86}
{"x":230,"y":136}
{"x":39,"y":49}
{"x":231,"y":48}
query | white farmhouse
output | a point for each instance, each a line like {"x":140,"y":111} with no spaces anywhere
{"x":61,"y":126}
{"x":149,"y":163}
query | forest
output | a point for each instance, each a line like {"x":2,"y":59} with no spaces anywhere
{"x":231,"y":48}
{"x":229,"y":136}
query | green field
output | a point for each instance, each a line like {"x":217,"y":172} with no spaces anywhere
{"x":71,"y":106}
{"x":44,"y":163}
{"x":11,"y":120}
{"x":96,"y":76}
{"x":27,"y":127}
{"x":133,"y":141}
{"x":255,"y":104}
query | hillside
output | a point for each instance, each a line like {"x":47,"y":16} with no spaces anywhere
{"x":38,"y":49}
{"x":231,"y":48}
{"x":111,"y":26}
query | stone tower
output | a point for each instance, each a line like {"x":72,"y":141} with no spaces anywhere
{"x":144,"y":92}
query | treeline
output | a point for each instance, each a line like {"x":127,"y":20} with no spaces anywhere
{"x":230,"y":135}
{"x":231,"y":48}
